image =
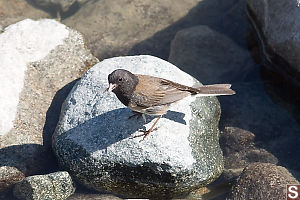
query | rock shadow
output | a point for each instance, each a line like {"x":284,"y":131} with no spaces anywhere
{"x":213,"y":13}
{"x":32,"y":159}
{"x":112,"y":127}
{"x":53,"y":112}
{"x":54,"y":8}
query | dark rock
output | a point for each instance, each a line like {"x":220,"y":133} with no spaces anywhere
{"x":239,"y":151}
{"x":274,"y":128}
{"x":279,"y":25}
{"x":235,"y":24}
{"x":262,"y":181}
{"x":235,"y":140}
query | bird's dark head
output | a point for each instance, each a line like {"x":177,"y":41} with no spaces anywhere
{"x":122,"y":81}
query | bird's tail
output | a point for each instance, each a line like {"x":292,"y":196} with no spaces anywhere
{"x":215,"y":90}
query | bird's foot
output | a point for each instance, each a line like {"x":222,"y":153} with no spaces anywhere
{"x":145,"y":133}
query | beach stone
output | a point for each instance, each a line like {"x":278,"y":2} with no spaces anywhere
{"x":210,"y":56}
{"x":239,"y":150}
{"x":93,"y":139}
{"x":39,"y":62}
{"x":9,"y":176}
{"x":56,"y":186}
{"x":262,"y":181}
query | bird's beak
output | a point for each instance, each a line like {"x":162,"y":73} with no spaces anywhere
{"x":111,"y":87}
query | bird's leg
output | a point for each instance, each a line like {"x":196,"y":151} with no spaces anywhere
{"x":147,"y":132}
{"x":135,"y":114}
{"x":138,"y":115}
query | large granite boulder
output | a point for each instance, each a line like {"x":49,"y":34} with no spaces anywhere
{"x":93,"y":139}
{"x":38,"y":61}
{"x":279,"y":25}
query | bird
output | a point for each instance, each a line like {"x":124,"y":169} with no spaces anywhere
{"x":150,"y":95}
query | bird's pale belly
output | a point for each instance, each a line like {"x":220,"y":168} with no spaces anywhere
{"x":154,"y":110}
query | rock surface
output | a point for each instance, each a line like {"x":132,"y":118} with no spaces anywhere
{"x":262,"y":181}
{"x":275,"y":129}
{"x":235,"y":23}
{"x":93,"y":137}
{"x":39,"y":60}
{"x":59,"y":6}
{"x":91,"y":195}
{"x":112,"y":28}
{"x":239,"y":150}
{"x":56,"y":186}
{"x":210,"y":56}
{"x":115,"y":28}
{"x":279,"y":23}
{"x":9,"y":176}
{"x":21,"y":45}
{"x":15,"y":10}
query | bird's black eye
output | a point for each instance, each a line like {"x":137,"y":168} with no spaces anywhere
{"x":120,"y":79}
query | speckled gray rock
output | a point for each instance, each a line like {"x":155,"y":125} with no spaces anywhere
{"x":262,"y":181}
{"x":211,"y":56}
{"x":93,"y":137}
{"x":279,"y":24}
{"x":55,"y":186}
{"x":9,"y":176}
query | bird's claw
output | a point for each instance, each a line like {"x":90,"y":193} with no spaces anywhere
{"x":145,"y":133}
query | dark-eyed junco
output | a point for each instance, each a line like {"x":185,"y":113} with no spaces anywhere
{"x":152,"y":95}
